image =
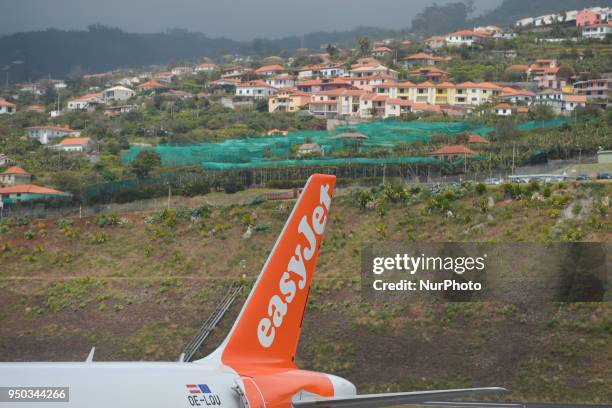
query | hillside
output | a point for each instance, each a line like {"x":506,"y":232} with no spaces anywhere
{"x":138,"y":285}
{"x":507,"y":13}
{"x":60,"y":53}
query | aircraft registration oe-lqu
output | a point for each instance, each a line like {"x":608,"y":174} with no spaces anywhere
{"x":254,"y":367}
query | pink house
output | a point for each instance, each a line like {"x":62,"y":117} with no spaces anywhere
{"x":587,"y":18}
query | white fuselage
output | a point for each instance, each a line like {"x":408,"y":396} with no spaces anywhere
{"x":137,"y":384}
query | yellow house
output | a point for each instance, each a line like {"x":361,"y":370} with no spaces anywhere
{"x":288,"y":100}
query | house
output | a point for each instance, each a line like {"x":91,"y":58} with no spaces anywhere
{"x":178,"y":94}
{"x":560,"y":102}
{"x":421,"y":59}
{"x":179,"y":71}
{"x":453,"y":153}
{"x":25,"y":192}
{"x":514,"y":96}
{"x":226,"y":82}
{"x":320,"y":85}
{"x":432,"y":74}
{"x":35,"y":108}
{"x":281,"y":81}
{"x":151,"y":86}
{"x":288,"y":100}
{"x":116,"y":110}
{"x":362,"y":71}
{"x":206,"y":68}
{"x":44,"y":133}
{"x":503,"y":109}
{"x":524,"y":22}
{"x":117,"y":93}
{"x":597,"y":31}
{"x":5,"y":160}
{"x":270,"y":70}
{"x":332,"y":71}
{"x":604,"y":156}
{"x":595,"y":90}
{"x":381,"y":52}
{"x":592,"y":16}
{"x":435,"y":42}
{"x":86,"y":102}
{"x":7,"y":108}
{"x":545,"y":73}
{"x":309,"y":149}
{"x":464,"y":38}
{"x":14,"y":176}
{"x":255,"y":89}
{"x":163,"y":76}
{"x":75,"y":144}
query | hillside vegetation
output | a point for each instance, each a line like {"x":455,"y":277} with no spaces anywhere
{"x":138,"y":285}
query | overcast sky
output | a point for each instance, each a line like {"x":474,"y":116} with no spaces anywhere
{"x":237,"y":19}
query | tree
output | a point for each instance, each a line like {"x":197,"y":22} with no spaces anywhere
{"x":437,"y":19}
{"x":364,"y":45}
{"x":144,"y":163}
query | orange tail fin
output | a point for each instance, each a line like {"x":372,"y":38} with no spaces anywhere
{"x":268,"y":328}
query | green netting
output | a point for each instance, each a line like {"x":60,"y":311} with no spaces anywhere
{"x":321,"y":162}
{"x":279,"y":151}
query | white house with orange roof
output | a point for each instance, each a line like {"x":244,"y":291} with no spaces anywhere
{"x":117,"y":93}
{"x":369,"y":70}
{"x":45,"y":133}
{"x":255,"y":89}
{"x":464,"y":38}
{"x":86,"y":102}
{"x":5,"y":160}
{"x":7,"y":108}
{"x":515,"y":96}
{"x":14,"y":176}
{"x":382,"y":52}
{"x":561,"y":103}
{"x":75,"y":144}
{"x":206,"y":67}
{"x":270,"y":70}
{"x":421,"y":58}
{"x":281,"y":81}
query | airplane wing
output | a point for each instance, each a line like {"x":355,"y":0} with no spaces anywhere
{"x":389,"y":400}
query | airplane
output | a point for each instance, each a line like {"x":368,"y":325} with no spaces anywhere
{"x":254,"y":367}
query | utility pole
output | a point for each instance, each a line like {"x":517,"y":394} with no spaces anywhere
{"x":169,"y":193}
{"x":513,"y":156}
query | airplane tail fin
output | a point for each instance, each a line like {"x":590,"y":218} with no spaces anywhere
{"x":268,"y":328}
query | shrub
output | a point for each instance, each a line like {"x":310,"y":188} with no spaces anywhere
{"x":29,"y":235}
{"x":481,"y":188}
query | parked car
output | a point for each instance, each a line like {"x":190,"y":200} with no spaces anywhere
{"x":604,"y":176}
{"x":583,"y":177}
{"x":493,"y":181}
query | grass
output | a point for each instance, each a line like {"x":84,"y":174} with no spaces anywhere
{"x":140,"y":290}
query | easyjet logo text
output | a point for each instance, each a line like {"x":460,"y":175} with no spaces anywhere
{"x":295,"y":277}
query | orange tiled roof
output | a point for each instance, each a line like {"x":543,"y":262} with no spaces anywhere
{"x":28,"y":189}
{"x":16,"y":170}
{"x":269,"y":68}
{"x":423,"y":56}
{"x":451,"y":150}
{"x":4,"y":102}
{"x":503,"y":106}
{"x":75,"y":141}
{"x":477,"y":139}
{"x":150,"y":85}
